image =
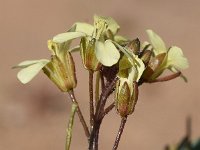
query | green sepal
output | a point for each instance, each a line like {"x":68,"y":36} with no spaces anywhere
{"x":88,"y":55}
{"x":122,"y":98}
{"x":62,"y":74}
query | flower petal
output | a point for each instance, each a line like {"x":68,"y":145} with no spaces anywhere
{"x":176,"y":58}
{"x":30,"y":69}
{"x":107,"y":53}
{"x":157,"y":42}
{"x":26,"y":63}
{"x":64,"y":37}
{"x":82,"y":27}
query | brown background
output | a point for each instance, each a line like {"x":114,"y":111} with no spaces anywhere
{"x":34,"y":116}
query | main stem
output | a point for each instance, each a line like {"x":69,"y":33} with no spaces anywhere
{"x":99,"y":114}
{"x":80,"y":115}
{"x":121,"y":128}
{"x":91,"y":99}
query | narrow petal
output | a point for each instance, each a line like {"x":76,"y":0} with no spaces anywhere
{"x":107,"y":53}
{"x":63,"y":37}
{"x":27,"y":63}
{"x":157,"y":42}
{"x":176,"y":58}
{"x":27,"y":73}
{"x":82,"y":27}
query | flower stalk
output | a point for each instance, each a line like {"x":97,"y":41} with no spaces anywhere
{"x":80,"y":115}
{"x":120,"y":131}
{"x":91,"y":99}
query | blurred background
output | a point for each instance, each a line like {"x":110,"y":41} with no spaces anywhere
{"x":34,"y":116}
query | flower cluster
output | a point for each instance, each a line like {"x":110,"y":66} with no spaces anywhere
{"x":102,"y":47}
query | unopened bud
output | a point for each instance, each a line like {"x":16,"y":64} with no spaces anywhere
{"x":125,"y":98}
{"x":134,"y":46}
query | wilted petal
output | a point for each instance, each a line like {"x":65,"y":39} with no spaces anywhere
{"x":30,"y":69}
{"x":107,"y":53}
{"x":157,"y":42}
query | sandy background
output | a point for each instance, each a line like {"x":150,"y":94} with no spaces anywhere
{"x":34,"y":116}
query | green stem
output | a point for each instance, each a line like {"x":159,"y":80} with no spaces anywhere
{"x":70,"y":125}
{"x":80,"y":115}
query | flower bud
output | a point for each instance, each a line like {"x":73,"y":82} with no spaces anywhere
{"x":125,"y":97}
{"x":134,"y":46}
{"x":62,"y":73}
{"x":88,"y":55}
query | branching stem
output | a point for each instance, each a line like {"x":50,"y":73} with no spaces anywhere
{"x":93,"y":145}
{"x":108,"y":109}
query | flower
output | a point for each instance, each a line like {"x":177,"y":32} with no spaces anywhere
{"x":60,"y":69}
{"x":103,"y":32}
{"x":171,"y":58}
